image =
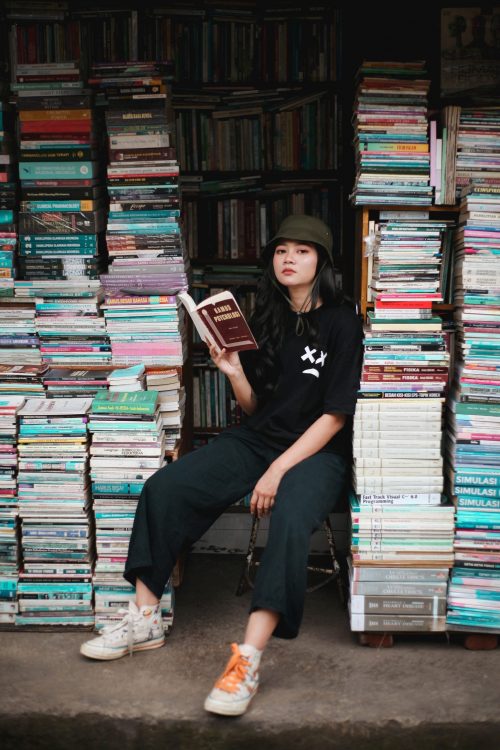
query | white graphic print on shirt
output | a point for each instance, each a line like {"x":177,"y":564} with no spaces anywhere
{"x":309,"y":354}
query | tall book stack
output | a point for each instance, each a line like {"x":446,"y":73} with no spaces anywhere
{"x":143,"y":233}
{"x":391,"y":139}
{"x":62,"y":212}
{"x":9,"y":552}
{"x":8,"y":200}
{"x":55,"y":584}
{"x":399,"y":521}
{"x":127,"y":448}
{"x":474,"y":413}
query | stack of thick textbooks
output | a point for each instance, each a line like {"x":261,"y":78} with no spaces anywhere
{"x":391,"y":140}
{"x":128,"y":446}
{"x":55,"y":584}
{"x":9,"y":553}
{"x":474,"y":415}
{"x":143,"y":232}
{"x":8,"y":201}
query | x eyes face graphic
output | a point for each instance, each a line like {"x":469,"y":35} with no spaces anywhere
{"x":310,"y":356}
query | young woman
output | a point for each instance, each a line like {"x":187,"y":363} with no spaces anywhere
{"x":298,"y":391}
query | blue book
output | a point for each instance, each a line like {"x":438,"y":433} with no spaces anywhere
{"x":58,"y":170}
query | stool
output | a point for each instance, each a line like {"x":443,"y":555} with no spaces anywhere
{"x":331,"y":573}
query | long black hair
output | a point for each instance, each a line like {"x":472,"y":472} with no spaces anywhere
{"x":271,"y":318}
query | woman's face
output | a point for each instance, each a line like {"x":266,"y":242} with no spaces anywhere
{"x":295,"y":263}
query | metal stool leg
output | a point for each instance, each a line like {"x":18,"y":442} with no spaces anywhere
{"x":331,"y":573}
{"x":245,"y":581}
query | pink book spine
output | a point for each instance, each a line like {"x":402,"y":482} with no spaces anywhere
{"x":433,"y":152}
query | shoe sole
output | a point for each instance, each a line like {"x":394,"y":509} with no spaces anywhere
{"x":101,"y":656}
{"x":227,"y":709}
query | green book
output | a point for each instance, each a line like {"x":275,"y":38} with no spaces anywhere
{"x":135,"y":402}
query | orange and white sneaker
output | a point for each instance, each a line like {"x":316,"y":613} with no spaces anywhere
{"x":237,"y":685}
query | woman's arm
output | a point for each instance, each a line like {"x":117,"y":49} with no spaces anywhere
{"x":310,"y":442}
{"x":230,"y":365}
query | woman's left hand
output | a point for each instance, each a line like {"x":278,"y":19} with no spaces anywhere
{"x":264,"y":492}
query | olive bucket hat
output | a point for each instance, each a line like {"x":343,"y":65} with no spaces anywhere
{"x":303,"y":228}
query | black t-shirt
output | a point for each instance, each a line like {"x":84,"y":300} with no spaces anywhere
{"x":313,"y":380}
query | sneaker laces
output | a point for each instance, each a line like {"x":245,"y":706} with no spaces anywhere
{"x":127,"y":620}
{"x":235,"y":672}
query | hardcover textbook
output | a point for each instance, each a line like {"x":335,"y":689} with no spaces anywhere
{"x":220,"y":320}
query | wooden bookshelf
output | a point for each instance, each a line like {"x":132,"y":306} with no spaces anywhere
{"x":364,"y":214}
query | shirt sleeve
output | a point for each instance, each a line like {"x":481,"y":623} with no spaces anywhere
{"x":343,"y":366}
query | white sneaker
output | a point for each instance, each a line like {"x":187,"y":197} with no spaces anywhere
{"x":236,"y":687}
{"x":140,"y":629}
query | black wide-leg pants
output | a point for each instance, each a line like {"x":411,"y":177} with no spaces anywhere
{"x":182,"y":500}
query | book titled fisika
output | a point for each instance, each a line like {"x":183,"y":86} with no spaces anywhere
{"x":220,"y":320}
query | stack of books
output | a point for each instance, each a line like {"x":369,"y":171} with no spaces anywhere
{"x":391,"y":140}
{"x":64,"y":382}
{"x":145,"y":328}
{"x":474,"y":414}
{"x":477,"y":157}
{"x":128,"y":446}
{"x":62,"y":212}
{"x":22,"y":380}
{"x":19,"y":340}
{"x":8,"y":200}
{"x":143,"y":232}
{"x":55,"y":586}
{"x":9,"y":553}
{"x":408,"y":257}
{"x":168,"y":383}
{"x":69,"y":320}
{"x":128,"y":379}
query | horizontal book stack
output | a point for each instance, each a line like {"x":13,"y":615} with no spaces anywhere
{"x":65,"y":382}
{"x":391,"y":139}
{"x":127,"y":448}
{"x":55,"y":584}
{"x":168,"y":383}
{"x":19,"y":339}
{"x":398,"y":517}
{"x":143,"y":232}
{"x":145,"y":328}
{"x":127,"y":379}
{"x":22,"y":380}
{"x":62,"y":214}
{"x":8,"y":200}
{"x":410,"y":258}
{"x":69,"y":320}
{"x":9,"y":553}
{"x":474,"y":414}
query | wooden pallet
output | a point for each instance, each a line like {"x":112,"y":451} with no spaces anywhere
{"x":471,"y":641}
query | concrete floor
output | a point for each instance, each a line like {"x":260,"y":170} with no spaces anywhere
{"x":322,"y":690}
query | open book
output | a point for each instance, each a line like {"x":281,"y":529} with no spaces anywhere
{"x":220,"y":320}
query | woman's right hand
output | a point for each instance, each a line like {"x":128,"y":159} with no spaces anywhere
{"x":227,"y":362}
